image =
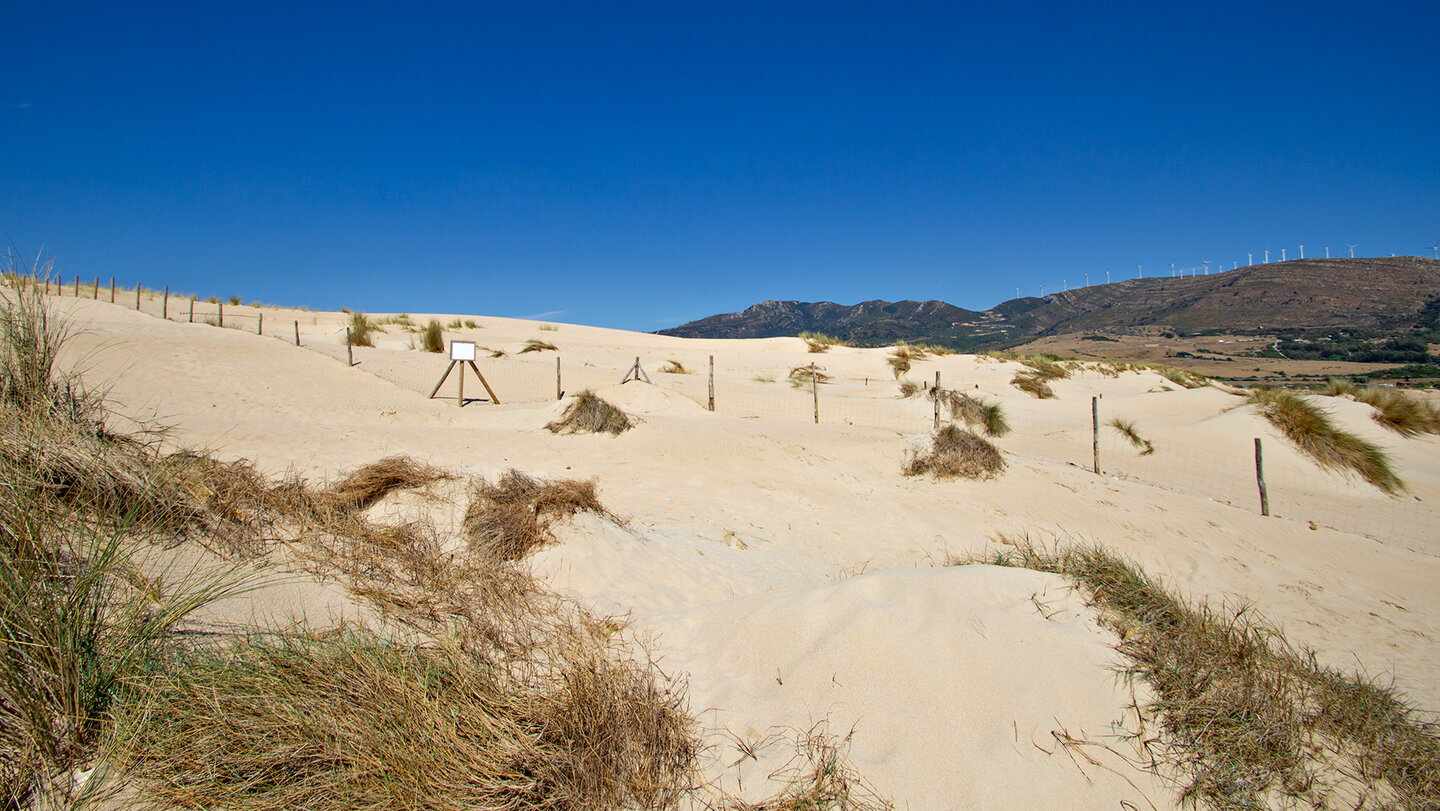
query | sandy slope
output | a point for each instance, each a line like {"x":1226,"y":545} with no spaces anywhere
{"x":789,"y":570}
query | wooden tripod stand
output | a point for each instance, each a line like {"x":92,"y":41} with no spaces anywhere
{"x":460,"y":398}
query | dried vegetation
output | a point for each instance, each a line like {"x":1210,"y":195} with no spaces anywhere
{"x":956,"y":453}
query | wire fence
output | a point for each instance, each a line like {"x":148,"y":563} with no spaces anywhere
{"x":1042,"y":431}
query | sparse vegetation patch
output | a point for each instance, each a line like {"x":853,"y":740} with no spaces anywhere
{"x":1126,"y":429}
{"x":1313,"y":432}
{"x":588,"y":413}
{"x":956,"y":453}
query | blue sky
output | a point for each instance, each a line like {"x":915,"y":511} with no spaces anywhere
{"x":640,"y":165}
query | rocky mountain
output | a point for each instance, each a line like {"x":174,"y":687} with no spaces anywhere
{"x":1395,"y":295}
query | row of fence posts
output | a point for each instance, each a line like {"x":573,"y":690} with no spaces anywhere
{"x":710,"y":404}
{"x":164,"y":304}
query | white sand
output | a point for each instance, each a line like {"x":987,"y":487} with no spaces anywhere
{"x":789,"y":571}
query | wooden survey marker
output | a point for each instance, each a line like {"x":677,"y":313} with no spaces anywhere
{"x":462,"y":354}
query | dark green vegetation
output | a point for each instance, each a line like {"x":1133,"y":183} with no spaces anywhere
{"x":1241,"y":717}
{"x":433,"y":338}
{"x":1380,"y":303}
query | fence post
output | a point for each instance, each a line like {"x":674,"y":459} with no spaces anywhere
{"x":815,"y":392}
{"x":558,"y":392}
{"x":1095,"y":432}
{"x":77,"y":287}
{"x":712,"y":383}
{"x":96,"y":297}
{"x":137,"y":297}
{"x":260,"y":326}
{"x":349,"y":349}
{"x":297,"y":333}
{"x":112,"y":289}
{"x":165,"y":307}
{"x":1260,"y":479}
{"x":935,"y":395}
{"x":221,"y":317}
{"x":192,"y":309}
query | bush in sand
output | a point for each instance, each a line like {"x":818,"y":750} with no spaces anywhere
{"x":433,"y":338}
{"x":591,"y":414}
{"x":512,"y":517}
{"x":360,"y":329}
{"x":974,"y":411}
{"x":956,"y":453}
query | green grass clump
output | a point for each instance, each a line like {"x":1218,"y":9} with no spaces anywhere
{"x":433,"y":338}
{"x":974,"y":411}
{"x":454,"y":323}
{"x":818,"y":342}
{"x":361,"y":328}
{"x":547,"y":327}
{"x":470,"y":324}
{"x":1312,"y":431}
{"x":535,"y":345}
{"x":1180,"y":377}
{"x":903,"y":356}
{"x":956,"y":453}
{"x":1247,"y":720}
{"x":1402,"y":413}
{"x":588,"y":413}
{"x":1126,"y":429}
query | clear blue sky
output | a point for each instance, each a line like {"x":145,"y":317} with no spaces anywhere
{"x":640,"y":165}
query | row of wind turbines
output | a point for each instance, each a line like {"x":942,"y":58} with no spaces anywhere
{"x":1204,"y":267}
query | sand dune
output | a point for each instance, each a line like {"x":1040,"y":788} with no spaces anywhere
{"x":790,"y":573}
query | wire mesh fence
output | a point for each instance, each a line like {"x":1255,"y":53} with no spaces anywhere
{"x":1041,"y":431}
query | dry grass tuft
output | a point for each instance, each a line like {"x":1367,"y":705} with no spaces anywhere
{"x":1126,"y":428}
{"x":818,"y":778}
{"x":956,"y":453}
{"x":590,"y":414}
{"x":510,"y":518}
{"x":674,"y":367}
{"x":1402,"y":413}
{"x":1312,"y":431}
{"x":802,"y":377}
{"x":818,"y":342}
{"x":536,"y":345}
{"x":1180,"y":377}
{"x":1249,"y":721}
{"x":910,"y":388}
{"x":1035,"y":379}
{"x":903,"y":355}
{"x":367,"y":484}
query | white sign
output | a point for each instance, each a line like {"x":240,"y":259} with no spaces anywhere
{"x":462,"y":350}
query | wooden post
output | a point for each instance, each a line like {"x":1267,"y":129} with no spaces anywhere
{"x":137,"y":296}
{"x":558,"y":392}
{"x":77,"y":287}
{"x":1260,"y":479}
{"x":350,"y":352}
{"x":712,"y":383}
{"x":260,"y":327}
{"x":935,"y":395}
{"x":112,"y":289}
{"x":1095,"y":431}
{"x":221,"y":317}
{"x":165,"y":306}
{"x":192,"y":309}
{"x":460,"y":397}
{"x":815,"y":392}
{"x":297,"y":333}
{"x":96,"y":297}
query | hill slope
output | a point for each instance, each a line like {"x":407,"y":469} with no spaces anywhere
{"x":1384,"y":295}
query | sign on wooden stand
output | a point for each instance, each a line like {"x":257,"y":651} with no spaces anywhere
{"x":462,"y":354}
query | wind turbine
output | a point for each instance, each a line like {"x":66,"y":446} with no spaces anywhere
{"x":1267,"y":256}
{"x":1107,"y":275}
{"x":1282,"y":254}
{"x":1249,"y":259}
{"x":1207,"y":266}
{"x":1172,"y":270}
{"x":1087,"y":280}
{"x":1140,"y":271}
{"x":1436,"y":249}
{"x":1302,"y":250}
{"x":1064,"y":286}
{"x":1352,"y":249}
{"x":1327,"y":251}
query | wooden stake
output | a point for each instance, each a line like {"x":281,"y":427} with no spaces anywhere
{"x":112,"y":289}
{"x":165,"y":307}
{"x":260,"y":327}
{"x":712,"y":383}
{"x":1260,"y":478}
{"x":350,"y":357}
{"x":935,"y":395}
{"x":460,"y":397}
{"x":96,"y":297}
{"x":815,"y":392}
{"x":1095,"y":431}
{"x":297,"y":333}
{"x":77,"y":287}
{"x":221,"y":317}
{"x":483,"y":382}
{"x":137,"y":296}
{"x":192,"y":310}
{"x":558,"y":392}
